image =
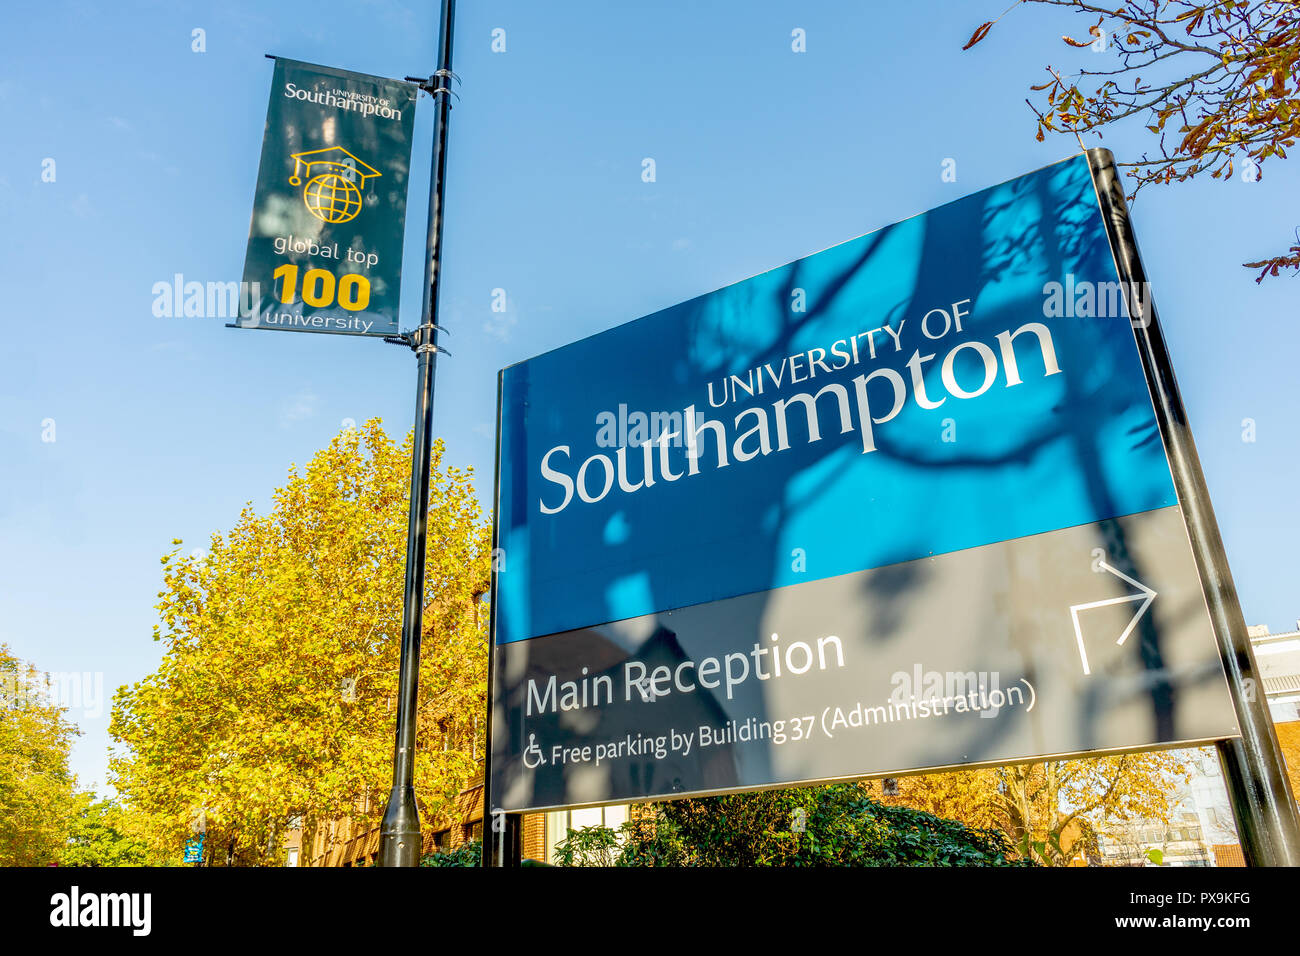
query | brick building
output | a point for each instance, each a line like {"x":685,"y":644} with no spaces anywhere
{"x":343,"y":843}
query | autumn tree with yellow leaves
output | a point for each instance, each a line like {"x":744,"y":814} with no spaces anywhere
{"x":37,"y":790}
{"x":1051,"y":811}
{"x":274,"y":701}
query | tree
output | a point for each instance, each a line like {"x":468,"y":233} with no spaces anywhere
{"x":837,"y":825}
{"x":1052,"y":811}
{"x":274,"y":701}
{"x":36,"y":787}
{"x":1216,"y":82}
{"x":101,"y":834}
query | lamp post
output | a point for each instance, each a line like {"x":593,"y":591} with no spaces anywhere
{"x":400,"y":831}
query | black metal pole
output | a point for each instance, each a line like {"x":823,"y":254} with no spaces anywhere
{"x":1257,"y":784}
{"x":502,"y":832}
{"x":400,"y":832}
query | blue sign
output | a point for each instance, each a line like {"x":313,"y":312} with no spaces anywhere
{"x":951,"y":411}
{"x":819,"y":437}
{"x":194,"y":849}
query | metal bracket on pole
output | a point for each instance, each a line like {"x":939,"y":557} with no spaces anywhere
{"x":432,"y":86}
{"x":413,"y":340}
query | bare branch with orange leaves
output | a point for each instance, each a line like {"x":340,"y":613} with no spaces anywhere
{"x":1221,"y":90}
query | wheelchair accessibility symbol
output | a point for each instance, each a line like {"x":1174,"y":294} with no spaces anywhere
{"x":533,"y":757}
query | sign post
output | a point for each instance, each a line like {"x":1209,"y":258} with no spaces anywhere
{"x":325,"y":255}
{"x":921,"y":501}
{"x":1258,"y":787}
{"x":503,"y":832}
{"x":400,"y":841}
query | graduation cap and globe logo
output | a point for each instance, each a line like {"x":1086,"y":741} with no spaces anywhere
{"x":334,"y":177}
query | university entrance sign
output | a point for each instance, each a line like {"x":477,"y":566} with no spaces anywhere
{"x":900,"y":505}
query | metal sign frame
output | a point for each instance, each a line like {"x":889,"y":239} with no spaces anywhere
{"x":1261,"y":796}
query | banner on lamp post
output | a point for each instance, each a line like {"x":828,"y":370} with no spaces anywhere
{"x":325,"y":241}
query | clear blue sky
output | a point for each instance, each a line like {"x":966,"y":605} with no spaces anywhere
{"x":166,"y":427}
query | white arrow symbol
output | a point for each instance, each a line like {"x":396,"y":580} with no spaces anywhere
{"x":1146,"y":597}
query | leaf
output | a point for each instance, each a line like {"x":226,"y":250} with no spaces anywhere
{"x":980,"y":33}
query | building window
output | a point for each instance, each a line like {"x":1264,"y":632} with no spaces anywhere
{"x":559,"y":823}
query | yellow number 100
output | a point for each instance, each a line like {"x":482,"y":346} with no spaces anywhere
{"x":318,"y":288}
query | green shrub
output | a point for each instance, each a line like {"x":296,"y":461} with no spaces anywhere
{"x":836,"y":825}
{"x":467,"y":854}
